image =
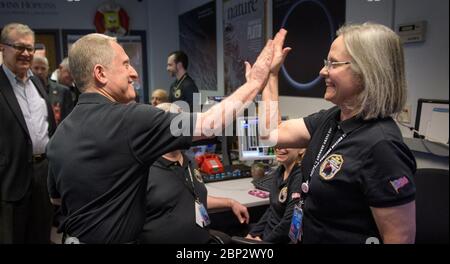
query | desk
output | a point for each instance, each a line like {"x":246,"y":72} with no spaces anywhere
{"x":237,"y":190}
{"x":223,"y":219}
{"x":428,"y":154}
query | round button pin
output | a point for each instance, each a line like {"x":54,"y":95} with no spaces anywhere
{"x":305,"y":187}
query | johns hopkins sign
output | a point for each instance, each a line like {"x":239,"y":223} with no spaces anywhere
{"x":28,"y":7}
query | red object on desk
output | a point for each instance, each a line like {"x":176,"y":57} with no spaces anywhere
{"x":259,"y":193}
{"x":209,"y":163}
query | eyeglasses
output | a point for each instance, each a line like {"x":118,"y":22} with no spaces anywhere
{"x":21,"y":48}
{"x":333,"y":64}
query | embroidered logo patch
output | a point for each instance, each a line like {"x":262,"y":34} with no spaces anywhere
{"x":399,"y":183}
{"x":283,"y":195}
{"x":330,"y":166}
{"x":198,"y":175}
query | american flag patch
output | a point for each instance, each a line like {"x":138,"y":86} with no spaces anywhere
{"x":399,"y":183}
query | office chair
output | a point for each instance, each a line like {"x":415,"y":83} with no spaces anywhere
{"x":218,"y":237}
{"x":246,"y":241}
{"x":432,"y":198}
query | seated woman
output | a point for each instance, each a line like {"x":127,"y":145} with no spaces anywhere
{"x":175,"y":194}
{"x":274,"y":225}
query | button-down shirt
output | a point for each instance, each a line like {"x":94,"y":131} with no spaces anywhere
{"x":34,"y":109}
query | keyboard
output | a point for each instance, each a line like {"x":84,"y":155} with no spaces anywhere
{"x":230,"y":173}
{"x":264,"y":183}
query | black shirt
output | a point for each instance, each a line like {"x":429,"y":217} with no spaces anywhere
{"x":170,"y":211}
{"x":99,"y":160}
{"x":275,"y":223}
{"x":183,"y":90}
{"x":370,"y":167}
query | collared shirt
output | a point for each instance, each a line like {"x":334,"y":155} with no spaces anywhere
{"x":34,"y":109}
{"x":370,"y":167}
{"x":99,"y":158}
{"x":170,"y":210}
{"x":274,"y":225}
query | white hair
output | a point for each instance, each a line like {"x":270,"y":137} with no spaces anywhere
{"x":378,"y":61}
{"x":85,"y":53}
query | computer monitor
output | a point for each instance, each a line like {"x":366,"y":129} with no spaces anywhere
{"x":432,"y":120}
{"x":203,"y":149}
{"x":250,"y":145}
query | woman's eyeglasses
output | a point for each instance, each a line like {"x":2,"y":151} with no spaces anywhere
{"x":333,"y":64}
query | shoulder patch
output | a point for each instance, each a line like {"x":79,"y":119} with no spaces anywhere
{"x":399,"y":183}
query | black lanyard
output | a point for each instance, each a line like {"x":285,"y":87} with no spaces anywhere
{"x":321,"y":157}
{"x":186,"y":179}
{"x":197,"y":198}
{"x":177,"y":85}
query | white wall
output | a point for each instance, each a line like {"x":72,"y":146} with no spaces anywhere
{"x":426,"y":63}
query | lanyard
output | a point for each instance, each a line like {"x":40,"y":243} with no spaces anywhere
{"x":320,"y":158}
{"x":180,"y":82}
{"x":192,"y":183}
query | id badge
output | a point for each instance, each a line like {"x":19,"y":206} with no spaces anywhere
{"x":201,"y":215}
{"x":296,"y":225}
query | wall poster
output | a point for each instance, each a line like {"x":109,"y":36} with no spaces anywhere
{"x":243,"y":37}
{"x":198,"y":41}
{"x":311,"y":26}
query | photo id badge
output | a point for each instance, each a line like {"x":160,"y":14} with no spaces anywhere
{"x":296,"y":225}
{"x":201,"y":215}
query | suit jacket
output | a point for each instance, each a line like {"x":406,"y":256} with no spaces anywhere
{"x":60,"y":97}
{"x":16,"y":149}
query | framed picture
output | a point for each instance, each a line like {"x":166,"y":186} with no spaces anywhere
{"x":47,"y":44}
{"x":134,"y":44}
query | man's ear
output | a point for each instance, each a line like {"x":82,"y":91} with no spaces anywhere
{"x":100,"y":74}
{"x":179,"y":66}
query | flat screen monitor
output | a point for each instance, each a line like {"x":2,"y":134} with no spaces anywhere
{"x":432,"y":120}
{"x":250,"y":145}
{"x":203,"y":149}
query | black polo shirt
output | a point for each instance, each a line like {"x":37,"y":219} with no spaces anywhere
{"x":99,"y":160}
{"x":370,"y":167}
{"x":170,"y":211}
{"x":183,"y":90}
{"x":274,"y":225}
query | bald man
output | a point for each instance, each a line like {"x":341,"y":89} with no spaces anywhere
{"x":159,"y":96}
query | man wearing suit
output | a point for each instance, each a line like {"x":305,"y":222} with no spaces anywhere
{"x":59,"y":95}
{"x":26,"y":124}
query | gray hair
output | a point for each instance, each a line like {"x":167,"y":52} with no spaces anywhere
{"x":65,"y":63}
{"x":21,"y":29}
{"x":378,"y":61}
{"x":42,"y":59}
{"x":85,"y":53}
